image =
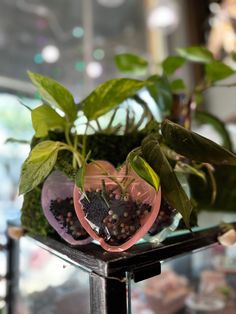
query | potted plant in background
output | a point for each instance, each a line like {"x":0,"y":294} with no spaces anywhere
{"x":130,"y":177}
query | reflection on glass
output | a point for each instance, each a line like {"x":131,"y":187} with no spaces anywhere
{"x":200,"y":282}
{"x":50,"y":285}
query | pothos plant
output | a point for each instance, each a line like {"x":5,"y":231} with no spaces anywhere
{"x":159,"y":149}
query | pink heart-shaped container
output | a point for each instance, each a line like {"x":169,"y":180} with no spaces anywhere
{"x":58,"y":208}
{"x":116,"y":208}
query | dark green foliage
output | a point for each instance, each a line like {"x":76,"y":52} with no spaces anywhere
{"x":195,"y":146}
{"x":171,"y":187}
{"x":226,"y":180}
{"x":32,"y":217}
{"x":226,"y":197}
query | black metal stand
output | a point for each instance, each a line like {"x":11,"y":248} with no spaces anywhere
{"x":108,"y":271}
{"x":12,"y":275}
{"x":107,"y":295}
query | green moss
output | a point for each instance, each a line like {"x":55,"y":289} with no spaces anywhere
{"x":113,"y":148}
{"x":64,"y":164}
{"x":32,"y":217}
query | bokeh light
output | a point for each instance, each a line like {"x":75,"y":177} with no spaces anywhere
{"x":94,"y":69}
{"x":78,"y":32}
{"x":38,"y":58}
{"x":50,"y":53}
{"x":98,"y":54}
{"x":80,"y":66}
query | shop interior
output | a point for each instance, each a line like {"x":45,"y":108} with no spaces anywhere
{"x":75,"y":42}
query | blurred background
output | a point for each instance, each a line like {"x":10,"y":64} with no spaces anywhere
{"x":74,"y":42}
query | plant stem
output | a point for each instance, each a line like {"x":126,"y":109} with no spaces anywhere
{"x":210,"y":170}
{"x":106,"y":173}
{"x":67,"y":134}
{"x":111,"y":120}
{"x":122,"y":185}
{"x":75,"y":148}
{"x":213,"y":184}
{"x":76,"y":154}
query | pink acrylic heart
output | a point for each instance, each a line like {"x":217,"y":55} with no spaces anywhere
{"x":138,"y":190}
{"x":58,"y":186}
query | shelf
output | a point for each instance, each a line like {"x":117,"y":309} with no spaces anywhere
{"x":142,"y":259}
{"x":110,"y":273}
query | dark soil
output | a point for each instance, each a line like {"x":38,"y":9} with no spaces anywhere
{"x":115,"y":218}
{"x":164,"y":218}
{"x":63,"y":211}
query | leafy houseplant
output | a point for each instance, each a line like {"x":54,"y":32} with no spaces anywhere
{"x":153,"y":155}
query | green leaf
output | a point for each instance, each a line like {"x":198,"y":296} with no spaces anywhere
{"x":38,"y":165}
{"x":143,"y":170}
{"x":217,"y":71}
{"x":196,"y":54}
{"x":170,"y":185}
{"x":109,"y":95}
{"x":178,"y":85}
{"x":195,"y":146}
{"x":55,"y":94}
{"x":160,"y":90}
{"x":152,"y":127}
{"x":172,"y":63}
{"x":44,"y":118}
{"x":131,"y":63}
{"x":204,"y":117}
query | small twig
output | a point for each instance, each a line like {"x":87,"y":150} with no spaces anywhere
{"x":98,"y":125}
{"x":104,"y":192}
{"x":111,"y":119}
{"x":27,"y":107}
